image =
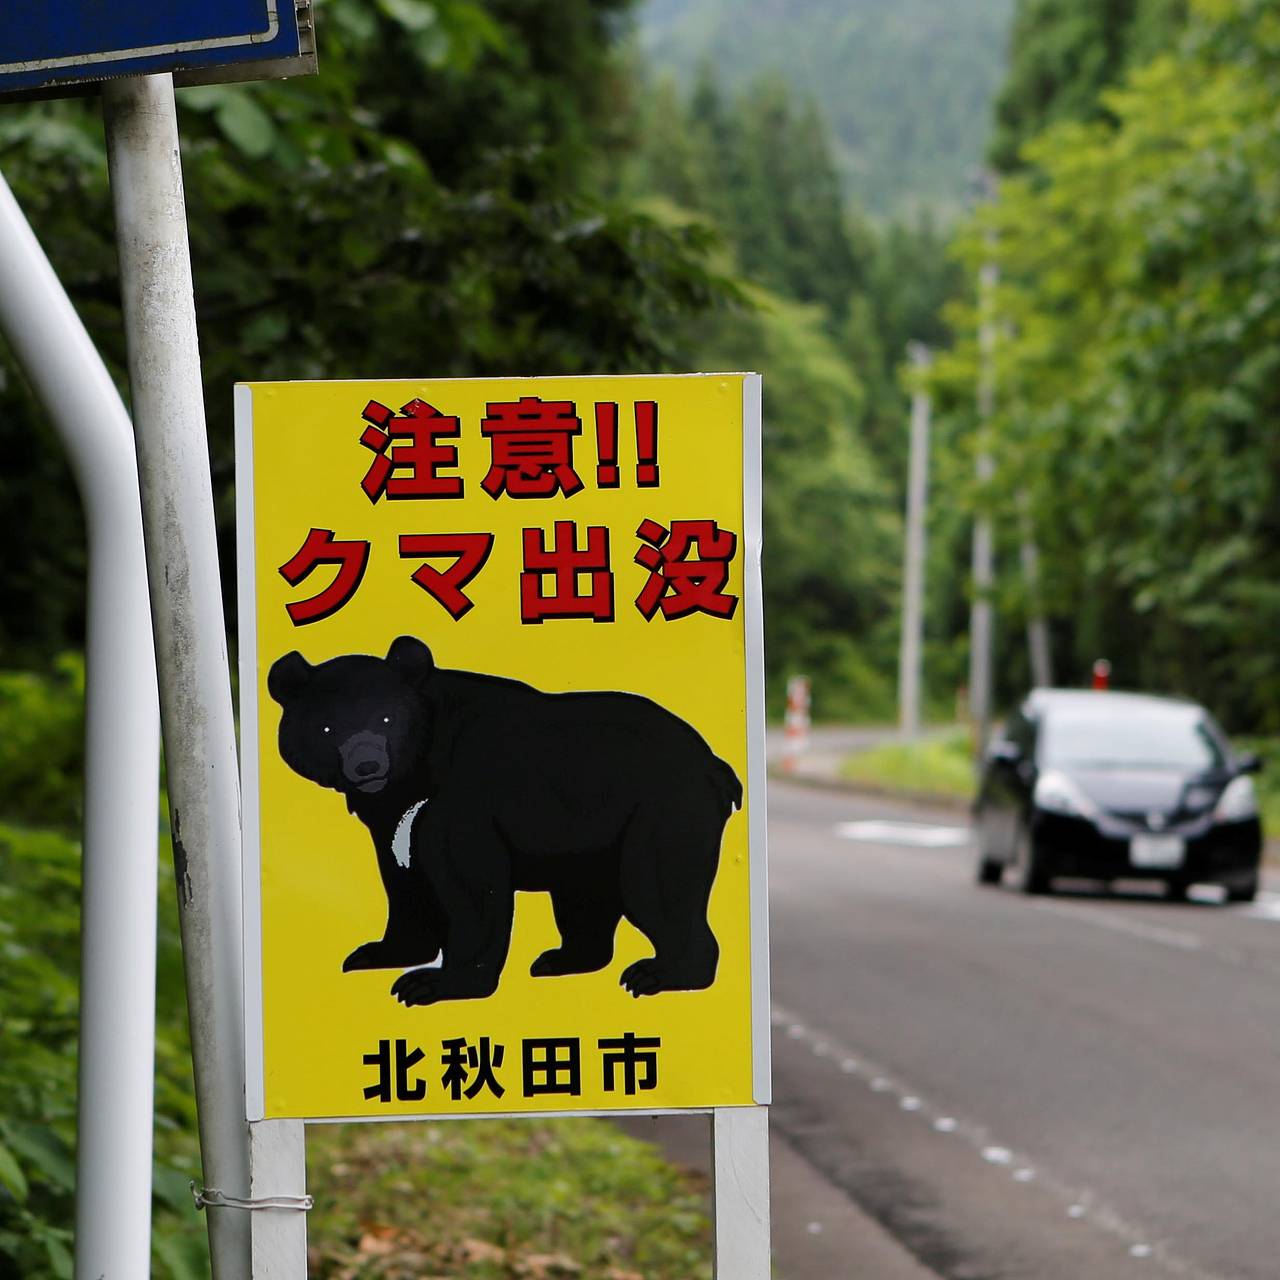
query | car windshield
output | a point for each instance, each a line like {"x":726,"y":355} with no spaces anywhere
{"x":1129,"y":740}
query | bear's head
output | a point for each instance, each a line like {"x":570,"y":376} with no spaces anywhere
{"x":358,"y":724}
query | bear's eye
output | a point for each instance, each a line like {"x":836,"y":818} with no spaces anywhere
{"x":386,"y":719}
{"x":324,"y":728}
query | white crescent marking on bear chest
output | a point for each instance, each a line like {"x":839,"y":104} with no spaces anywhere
{"x":400,"y":842}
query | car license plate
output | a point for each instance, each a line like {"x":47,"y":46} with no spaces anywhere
{"x":1157,"y":851}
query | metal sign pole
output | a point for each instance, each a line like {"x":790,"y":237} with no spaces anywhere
{"x":122,"y":755}
{"x":278,"y":1156}
{"x":740,"y":1176}
{"x":191,"y":651}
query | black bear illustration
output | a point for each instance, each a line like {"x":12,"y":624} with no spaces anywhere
{"x":475,"y":787}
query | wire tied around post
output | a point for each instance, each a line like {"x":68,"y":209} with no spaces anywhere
{"x":212,"y":1198}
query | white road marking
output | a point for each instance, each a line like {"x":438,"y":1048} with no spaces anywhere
{"x":1178,"y":939}
{"x":923,"y":835}
{"x":1080,"y":1203}
{"x":1267,"y":907}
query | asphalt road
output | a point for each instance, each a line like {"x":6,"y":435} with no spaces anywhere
{"x":1079,"y":1086}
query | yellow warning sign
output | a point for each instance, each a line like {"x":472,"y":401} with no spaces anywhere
{"x":501,"y":718}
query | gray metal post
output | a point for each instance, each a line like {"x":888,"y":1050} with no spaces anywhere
{"x":910,"y":647}
{"x":982,"y":610}
{"x":191,"y":647}
{"x":740,"y":1192}
{"x":122,"y":757}
{"x":1038,"y":645}
{"x":278,"y":1158}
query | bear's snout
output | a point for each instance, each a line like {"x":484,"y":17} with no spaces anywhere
{"x":365,"y":762}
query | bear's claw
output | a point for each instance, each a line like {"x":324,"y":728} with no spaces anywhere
{"x":421,"y":986}
{"x":644,"y":978}
{"x":560,"y":962}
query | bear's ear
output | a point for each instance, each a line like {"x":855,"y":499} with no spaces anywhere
{"x":411,"y":658}
{"x":288,"y":676}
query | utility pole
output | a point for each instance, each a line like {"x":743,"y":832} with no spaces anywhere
{"x":1037,"y":627}
{"x":911,"y":646}
{"x":982,"y":610}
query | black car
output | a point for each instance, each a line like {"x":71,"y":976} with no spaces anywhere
{"x":1117,"y":786}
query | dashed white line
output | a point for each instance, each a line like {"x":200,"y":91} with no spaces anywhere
{"x":1178,"y":939}
{"x":1267,"y":907}
{"x":1079,"y":1205}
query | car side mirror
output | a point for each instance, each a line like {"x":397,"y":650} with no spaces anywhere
{"x":1250,"y":762}
{"x":1004,"y":752}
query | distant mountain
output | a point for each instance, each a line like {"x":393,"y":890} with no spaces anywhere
{"x":907,"y":85}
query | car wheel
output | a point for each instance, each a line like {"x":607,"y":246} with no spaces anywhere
{"x":1243,"y":891}
{"x":1033,"y":868}
{"x":989,"y":870}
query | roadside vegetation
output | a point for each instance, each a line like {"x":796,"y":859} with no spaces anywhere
{"x":474,"y":1200}
{"x":937,"y":765}
{"x":501,"y":1200}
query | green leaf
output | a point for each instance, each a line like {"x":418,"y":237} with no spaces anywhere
{"x":413,"y":15}
{"x":44,"y":1150}
{"x":184,"y":1258}
{"x":246,"y":124}
{"x":11,"y":1175}
{"x":59,"y":1257}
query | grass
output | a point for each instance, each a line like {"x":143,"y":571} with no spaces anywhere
{"x":936,"y":765}
{"x":570,"y":1199}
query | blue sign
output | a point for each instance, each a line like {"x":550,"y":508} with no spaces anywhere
{"x":45,"y":43}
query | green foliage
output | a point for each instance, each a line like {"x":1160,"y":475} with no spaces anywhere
{"x":41,"y":728}
{"x":832,"y":533}
{"x":758,"y":167}
{"x":434,"y":202}
{"x":1139,"y":323}
{"x":832,"y":304}
{"x":42,"y":744}
{"x":905,"y":87}
{"x":1062,"y":56}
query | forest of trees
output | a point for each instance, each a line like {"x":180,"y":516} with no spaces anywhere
{"x":905,"y":87}
{"x":549,"y":207}
{"x":1138,"y":323}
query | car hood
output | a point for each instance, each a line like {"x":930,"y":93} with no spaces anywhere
{"x":1132,"y":790}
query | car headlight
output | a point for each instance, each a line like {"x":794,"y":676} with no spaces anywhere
{"x":1237,"y":802}
{"x":1056,"y":793}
